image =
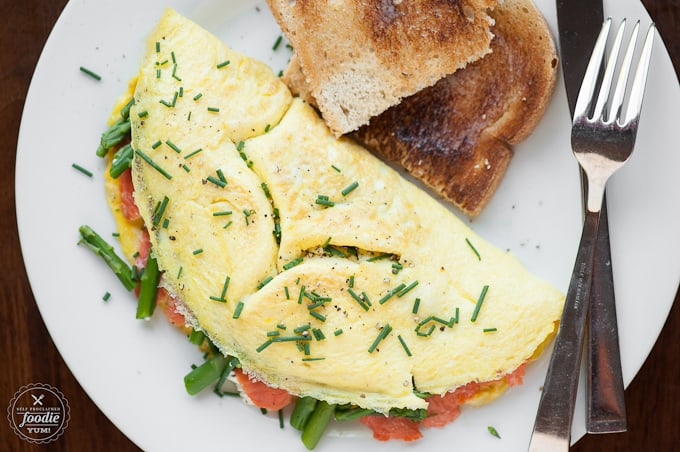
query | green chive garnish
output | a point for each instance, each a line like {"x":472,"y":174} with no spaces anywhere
{"x":153,"y":164}
{"x":302,"y":292}
{"x":106,"y":296}
{"x":404,"y":346}
{"x":237,"y":311}
{"x":490,"y":330}
{"x":474,"y":250}
{"x":347,"y":190}
{"x":213,"y":109}
{"x":173,"y":146}
{"x":313,"y":359}
{"x":381,"y":336}
{"x":358,"y":299}
{"x":302,"y":328}
{"x":285,"y":290}
{"x":227,"y":225}
{"x":90,"y":73}
{"x":416,"y":305}
{"x":197,"y":251}
{"x":158,"y":213}
{"x":318,"y":334}
{"x":277,"y":43}
{"x":391,"y":293}
{"x":324,"y":201}
{"x":337,"y":332}
{"x":478,"y":306}
{"x":317,"y":315}
{"x":407,"y":289}
{"x":493,"y":431}
{"x":336,"y":168}
{"x":264,"y":345}
{"x":158,"y":46}
{"x":143,"y":114}
{"x":265,"y":189}
{"x":216,"y":181}
{"x":88,"y":173}
{"x":172,"y":55}
{"x":223,"y":64}
{"x":264,"y":282}
{"x":292,"y":263}
{"x":351,"y":281}
{"x":378,"y":257}
{"x":186,"y":168}
{"x":156,"y":144}
{"x":223,"y":213}
{"x":166,"y":103}
{"x":191,"y":154}
{"x":220,"y":175}
{"x":198,"y":96}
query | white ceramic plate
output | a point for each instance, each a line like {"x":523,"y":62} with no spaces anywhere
{"x":133,"y":370}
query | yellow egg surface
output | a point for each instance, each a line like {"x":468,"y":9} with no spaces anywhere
{"x":318,"y":266}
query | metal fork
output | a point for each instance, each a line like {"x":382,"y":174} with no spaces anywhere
{"x":602,"y":138}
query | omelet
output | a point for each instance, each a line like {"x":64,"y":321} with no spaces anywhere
{"x":319,"y":267}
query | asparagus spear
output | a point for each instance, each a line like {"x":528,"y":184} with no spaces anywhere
{"x":317,"y":424}
{"x":148,"y":289}
{"x":97,"y":244}
{"x":121,"y":160}
{"x":113,"y":135}
{"x":205,"y":374}
{"x":304,"y":407}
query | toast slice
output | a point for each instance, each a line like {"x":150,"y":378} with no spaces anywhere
{"x":456,"y":136}
{"x":361,"y":57}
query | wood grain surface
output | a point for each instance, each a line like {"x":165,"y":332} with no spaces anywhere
{"x":28,"y":355}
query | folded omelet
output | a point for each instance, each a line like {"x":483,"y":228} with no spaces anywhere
{"x":319,"y":267}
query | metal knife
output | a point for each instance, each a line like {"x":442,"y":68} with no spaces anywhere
{"x":579,"y":22}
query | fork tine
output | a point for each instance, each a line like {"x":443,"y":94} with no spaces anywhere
{"x":609,"y":72}
{"x":585,"y":94}
{"x":637,"y":91}
{"x":617,"y":100}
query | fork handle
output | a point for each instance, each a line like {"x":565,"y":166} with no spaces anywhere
{"x":606,"y":411}
{"x":552,"y":429}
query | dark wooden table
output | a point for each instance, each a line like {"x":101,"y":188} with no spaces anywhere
{"x":28,"y":355}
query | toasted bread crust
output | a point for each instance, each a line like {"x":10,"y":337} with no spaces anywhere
{"x":360,"y":57}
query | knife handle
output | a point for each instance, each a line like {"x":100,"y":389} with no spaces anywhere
{"x":606,"y":409}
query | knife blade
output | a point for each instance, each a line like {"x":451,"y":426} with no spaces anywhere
{"x":579,"y":22}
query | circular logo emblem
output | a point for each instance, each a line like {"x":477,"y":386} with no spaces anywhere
{"x":38,"y":413}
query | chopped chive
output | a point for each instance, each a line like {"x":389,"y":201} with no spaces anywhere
{"x":281,"y":326}
{"x":397,"y":267}
{"x":189,"y":117}
{"x":292,"y":263}
{"x":197,"y":251}
{"x":186,"y":168}
{"x":239,"y":146}
{"x":247,"y":213}
{"x":378,"y":257}
{"x":267,"y":128}
{"x":291,"y":338}
{"x":198,"y":96}
{"x":191,"y":154}
{"x":302,"y":292}
{"x":277,"y":43}
{"x":347,"y":190}
{"x":474,"y":250}
{"x":158,"y":46}
{"x":172,"y":55}
{"x":273,"y":333}
{"x":225,"y":286}
{"x":143,"y":114}
{"x":335,"y":251}
{"x":264,"y":345}
{"x":490,"y":330}
{"x":106,"y":296}
{"x":158,"y":214}
{"x":364,"y":297}
{"x":174,"y":74}
{"x":174,"y":97}
{"x":493,"y":431}
{"x":153,"y":164}
{"x":317,"y":315}
{"x":179,"y":272}
{"x":391,"y":293}
{"x":222,"y":213}
{"x":407,"y":289}
{"x":285,"y":290}
{"x":265,"y":189}
{"x":158,"y":73}
{"x":237,"y":311}
{"x":214,"y":298}
{"x":156,"y":144}
{"x":313,"y":359}
{"x":416,"y":305}
{"x":181,"y":91}
{"x":324,"y":201}
{"x":90,"y":73}
{"x":381,"y":336}
{"x":358,"y":299}
{"x":351,"y":281}
{"x":223,"y":64}
{"x":173,"y":146}
{"x":227,"y":225}
{"x":216,"y":181}
{"x":264,"y":282}
{"x":337,"y":332}
{"x":86,"y":172}
{"x":115,"y":234}
{"x":457,"y":315}
{"x":281,"y":423}
{"x":220,"y":175}
{"x":318,"y":334}
{"x":336,"y":168}
{"x":403,"y":344}
{"x":213,"y":109}
{"x":478,"y":306}
{"x":302,"y":328}
{"x":196,"y":337}
{"x":166,"y":103}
